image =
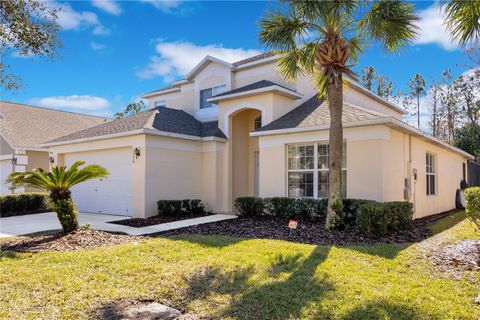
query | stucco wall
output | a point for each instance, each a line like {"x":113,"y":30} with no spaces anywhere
{"x":36,"y":159}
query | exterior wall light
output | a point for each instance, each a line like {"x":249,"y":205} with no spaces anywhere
{"x":136,"y":153}
{"x":52,"y":160}
{"x":14,"y":161}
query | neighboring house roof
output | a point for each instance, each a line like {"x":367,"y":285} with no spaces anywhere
{"x":157,"y":120}
{"x":27,"y":127}
{"x":314,"y":112}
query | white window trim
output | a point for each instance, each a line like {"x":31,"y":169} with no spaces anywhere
{"x":215,"y":90}
{"x":315,"y":169}
{"x":433,"y":173}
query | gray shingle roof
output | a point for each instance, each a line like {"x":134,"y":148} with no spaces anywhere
{"x":257,"y":85}
{"x":255,"y":58}
{"x":161,"y":119}
{"x":314,"y":112}
{"x":27,"y":126}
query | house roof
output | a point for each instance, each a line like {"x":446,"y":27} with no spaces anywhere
{"x":257,"y":85}
{"x":255,"y":58}
{"x":161,"y":120}
{"x":314,"y":112}
{"x":27,"y":127}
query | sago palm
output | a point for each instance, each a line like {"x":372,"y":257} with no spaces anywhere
{"x":323,"y":40}
{"x":58,"y":183}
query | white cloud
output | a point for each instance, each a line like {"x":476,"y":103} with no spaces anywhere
{"x":175,"y":59}
{"x":69,"y":19}
{"x":109,"y":6}
{"x":77,"y":103}
{"x":432,"y":29}
{"x":166,"y":6}
{"x":97,"y":46}
{"x":16,"y":54}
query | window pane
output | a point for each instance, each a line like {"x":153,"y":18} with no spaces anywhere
{"x":300,"y":157}
{"x":432,"y":184}
{"x":323,"y":156}
{"x":323,"y":184}
{"x":204,"y":96}
{"x":219,"y":89}
{"x":300,"y":184}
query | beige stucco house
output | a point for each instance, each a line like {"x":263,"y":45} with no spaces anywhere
{"x":23,"y":128}
{"x":238,"y":129}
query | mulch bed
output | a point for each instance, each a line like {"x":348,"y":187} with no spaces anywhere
{"x":307,"y":232}
{"x":139,"y":223}
{"x":57,"y":241}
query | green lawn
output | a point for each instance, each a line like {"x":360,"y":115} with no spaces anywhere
{"x":221,"y":277}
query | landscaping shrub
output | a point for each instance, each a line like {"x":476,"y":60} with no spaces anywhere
{"x":193,"y":206}
{"x":472,"y":196}
{"x":250,"y":206}
{"x":281,"y":207}
{"x":23,"y":203}
{"x":169,"y":207}
{"x":312,"y":209}
{"x":399,"y":215}
{"x":350,"y":209}
{"x":371,"y":220}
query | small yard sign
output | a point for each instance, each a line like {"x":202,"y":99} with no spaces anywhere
{"x":292,"y":224}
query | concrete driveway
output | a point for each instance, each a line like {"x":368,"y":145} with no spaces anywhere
{"x":21,"y":225}
{"x":31,"y":223}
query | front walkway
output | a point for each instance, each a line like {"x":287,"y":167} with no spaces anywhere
{"x":21,"y":225}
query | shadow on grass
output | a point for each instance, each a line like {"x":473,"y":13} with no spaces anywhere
{"x":211,"y":241}
{"x":8,"y":255}
{"x":380,"y":309}
{"x":283,"y":299}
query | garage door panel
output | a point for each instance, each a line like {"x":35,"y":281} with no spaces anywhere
{"x":111,"y":195}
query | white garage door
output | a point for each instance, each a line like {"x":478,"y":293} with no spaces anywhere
{"x":112,"y":195}
{"x":6,"y":168}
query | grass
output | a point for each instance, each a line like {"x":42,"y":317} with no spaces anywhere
{"x":221,"y":277}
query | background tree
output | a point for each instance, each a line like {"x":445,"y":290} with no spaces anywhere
{"x":467,"y":138}
{"x":131,"y":109}
{"x":30,"y":28}
{"x":369,"y":75}
{"x":450,"y":106}
{"x":378,"y":83}
{"x":467,"y":90}
{"x":417,"y":91}
{"x":58,"y":183}
{"x":323,"y":40}
{"x":434,"y":95}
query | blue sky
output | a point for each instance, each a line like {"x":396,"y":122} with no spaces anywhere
{"x":116,"y":50}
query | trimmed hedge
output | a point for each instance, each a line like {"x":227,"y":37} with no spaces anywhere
{"x":173,"y":207}
{"x":371,"y":218}
{"x":377,"y":219}
{"x":472,"y":196}
{"x":23,"y":203}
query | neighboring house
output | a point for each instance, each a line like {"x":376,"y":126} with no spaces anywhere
{"x":22,"y":130}
{"x":238,"y":129}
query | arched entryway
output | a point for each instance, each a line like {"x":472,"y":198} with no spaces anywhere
{"x":244,"y":152}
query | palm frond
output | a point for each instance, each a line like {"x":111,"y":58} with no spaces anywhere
{"x":462,"y":18}
{"x":59,"y":178}
{"x":390,"y":22}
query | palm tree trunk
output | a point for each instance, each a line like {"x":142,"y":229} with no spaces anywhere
{"x":335,"y":201}
{"x":63,"y":204}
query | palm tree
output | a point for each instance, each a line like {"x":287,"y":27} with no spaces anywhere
{"x":58,"y":183}
{"x":462,"y":18}
{"x":323,"y":40}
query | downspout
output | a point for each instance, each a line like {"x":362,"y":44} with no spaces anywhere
{"x":409,"y":188}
